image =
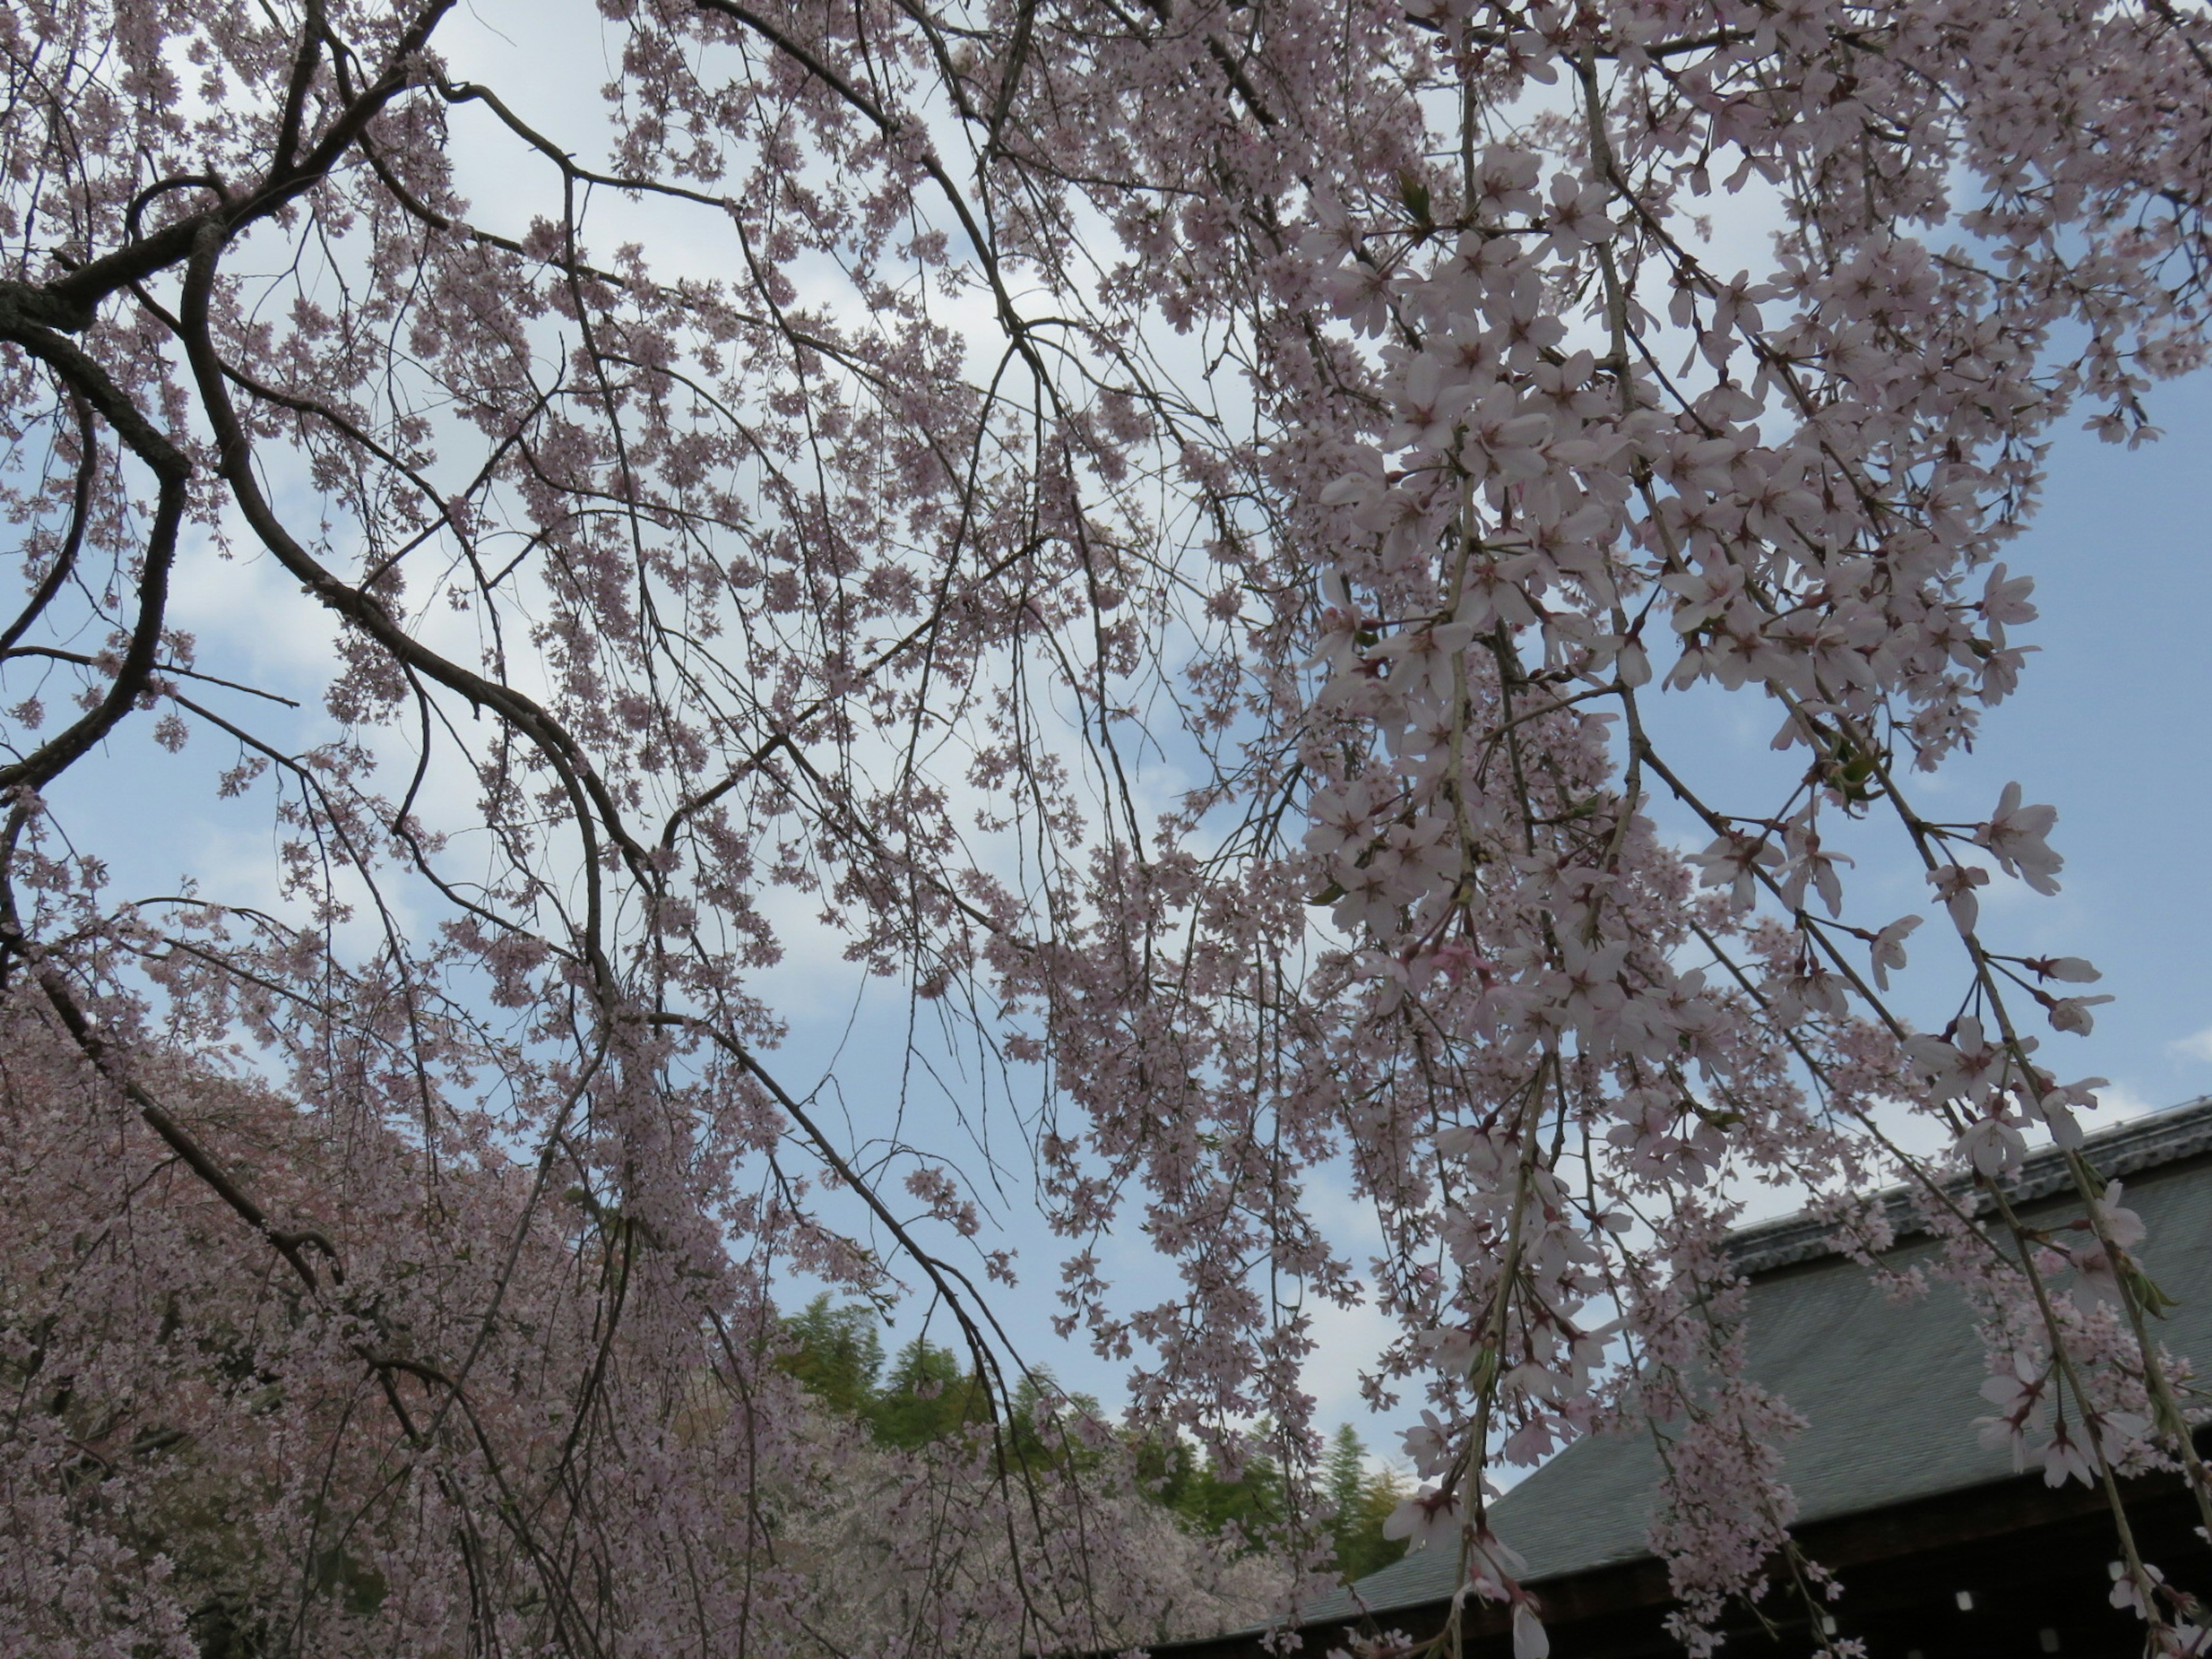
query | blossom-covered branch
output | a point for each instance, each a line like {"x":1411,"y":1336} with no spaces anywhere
{"x":1159,"y":531}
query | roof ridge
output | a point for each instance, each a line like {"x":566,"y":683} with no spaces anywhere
{"x":2166,"y":1136}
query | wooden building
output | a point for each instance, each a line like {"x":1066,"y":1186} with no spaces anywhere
{"x":1943,"y":1551}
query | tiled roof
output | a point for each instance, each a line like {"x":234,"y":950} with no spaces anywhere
{"x":1888,"y":1390}
{"x":2141,"y":1143}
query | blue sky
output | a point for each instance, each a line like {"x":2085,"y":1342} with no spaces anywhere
{"x":2113,"y":725}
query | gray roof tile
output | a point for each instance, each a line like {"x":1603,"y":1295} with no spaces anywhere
{"x":1888,"y":1391}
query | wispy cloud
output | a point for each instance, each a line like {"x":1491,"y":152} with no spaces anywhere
{"x":2121,"y":1099}
{"x":2197,"y":1047}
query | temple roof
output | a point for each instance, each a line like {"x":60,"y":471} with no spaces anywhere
{"x":1888,"y":1389}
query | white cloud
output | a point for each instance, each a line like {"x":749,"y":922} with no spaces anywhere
{"x":2121,"y":1099}
{"x":2196,"y":1046}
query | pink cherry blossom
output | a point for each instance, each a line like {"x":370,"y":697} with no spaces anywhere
{"x":1151,"y":539}
{"x":1431,"y":1518}
{"x":2015,"y":834}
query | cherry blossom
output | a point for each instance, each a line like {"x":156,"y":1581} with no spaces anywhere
{"x":1155,"y":535}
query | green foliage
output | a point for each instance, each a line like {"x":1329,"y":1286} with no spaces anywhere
{"x":838,"y":1357}
{"x":835,"y":1354}
{"x":1363,"y":1503}
{"x":1046,"y":1447}
{"x":926,"y":1394}
{"x":927,"y":1397}
{"x":1174,"y":1473}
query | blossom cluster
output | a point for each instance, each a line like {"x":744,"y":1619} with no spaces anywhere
{"x":1155,"y":531}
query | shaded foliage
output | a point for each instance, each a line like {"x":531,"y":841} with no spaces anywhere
{"x":836,"y":1351}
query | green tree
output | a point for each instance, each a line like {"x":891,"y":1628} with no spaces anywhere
{"x":835,"y":1354}
{"x":1173,"y":1472}
{"x":1363,"y":1502}
{"x":1048,"y":1443}
{"x":927,"y":1396}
